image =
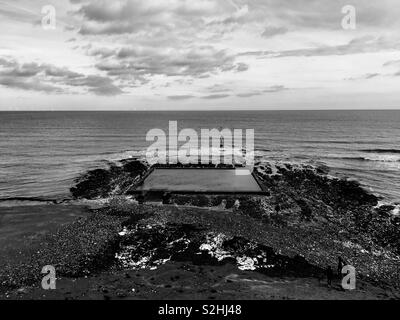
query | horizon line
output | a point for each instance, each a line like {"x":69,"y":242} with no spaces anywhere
{"x":190,"y":110}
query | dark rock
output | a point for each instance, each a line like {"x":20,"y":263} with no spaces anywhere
{"x":22,"y":291}
{"x":306,"y":212}
{"x":135,"y":168}
{"x":101,"y":182}
{"x":121,"y":293}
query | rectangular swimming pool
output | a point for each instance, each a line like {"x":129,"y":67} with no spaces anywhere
{"x":193,"y":180}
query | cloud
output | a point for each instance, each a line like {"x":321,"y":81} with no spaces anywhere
{"x":216,"y":96}
{"x":237,"y":17}
{"x":241,"y":67}
{"x":184,"y":16}
{"x":248,"y":94}
{"x":324,"y":14}
{"x":182,"y":39}
{"x":141,"y":62}
{"x":28,"y":84}
{"x":132,"y":16}
{"x":371,"y":75}
{"x":271,"y":89}
{"x":190,"y":44}
{"x":365,"y":76}
{"x":271,"y":31}
{"x":51,"y":79}
{"x":180,"y":97}
{"x":96,"y":84}
{"x":217,"y":88}
{"x":275,"y":88}
{"x":11,"y":68}
{"x":392,"y":63}
{"x":365,"y":44}
{"x":18,"y":13}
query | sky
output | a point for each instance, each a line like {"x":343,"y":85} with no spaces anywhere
{"x":199,"y":54}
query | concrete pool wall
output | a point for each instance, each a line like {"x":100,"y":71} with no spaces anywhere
{"x":198,"y":181}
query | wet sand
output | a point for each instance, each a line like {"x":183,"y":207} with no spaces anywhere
{"x":25,"y":225}
{"x":181,"y":280}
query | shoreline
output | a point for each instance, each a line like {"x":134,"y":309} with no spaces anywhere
{"x":101,"y":199}
{"x":308,"y":219}
{"x":64,"y":198}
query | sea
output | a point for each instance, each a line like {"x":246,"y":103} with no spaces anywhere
{"x":42,"y":153}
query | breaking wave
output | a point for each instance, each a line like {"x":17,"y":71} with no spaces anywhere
{"x":377,"y":158}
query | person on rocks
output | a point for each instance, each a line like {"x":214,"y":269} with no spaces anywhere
{"x":341,"y":264}
{"x":329,"y":275}
{"x":236,"y":205}
{"x":140,"y":198}
{"x":223,"y":204}
{"x":166,"y":199}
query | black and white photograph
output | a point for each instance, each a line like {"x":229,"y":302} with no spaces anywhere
{"x":199,"y":151}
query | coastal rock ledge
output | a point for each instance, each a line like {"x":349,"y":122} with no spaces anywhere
{"x":271,"y":246}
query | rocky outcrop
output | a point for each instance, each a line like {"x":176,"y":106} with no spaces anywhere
{"x":306,"y":212}
{"x":114,"y":180}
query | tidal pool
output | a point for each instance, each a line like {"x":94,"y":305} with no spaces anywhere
{"x":199,"y":180}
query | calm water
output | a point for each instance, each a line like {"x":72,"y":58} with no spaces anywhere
{"x":42,"y":152}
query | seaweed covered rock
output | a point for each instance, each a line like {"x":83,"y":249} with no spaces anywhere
{"x":302,"y":193}
{"x":102,"y":183}
{"x":93,"y":184}
{"x":255,"y":207}
{"x":149,"y":245}
{"x":305,"y":182}
{"x":134,"y":168}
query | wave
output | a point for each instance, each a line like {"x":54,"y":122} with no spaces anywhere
{"x":235,"y":155}
{"x":240,"y":155}
{"x":30,"y":201}
{"x":381,"y":159}
{"x":395,"y":151}
{"x":396,"y":207}
{"x":391,"y":159}
{"x":37,"y":201}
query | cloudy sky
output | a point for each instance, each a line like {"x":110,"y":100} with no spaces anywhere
{"x":199,"y":54}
